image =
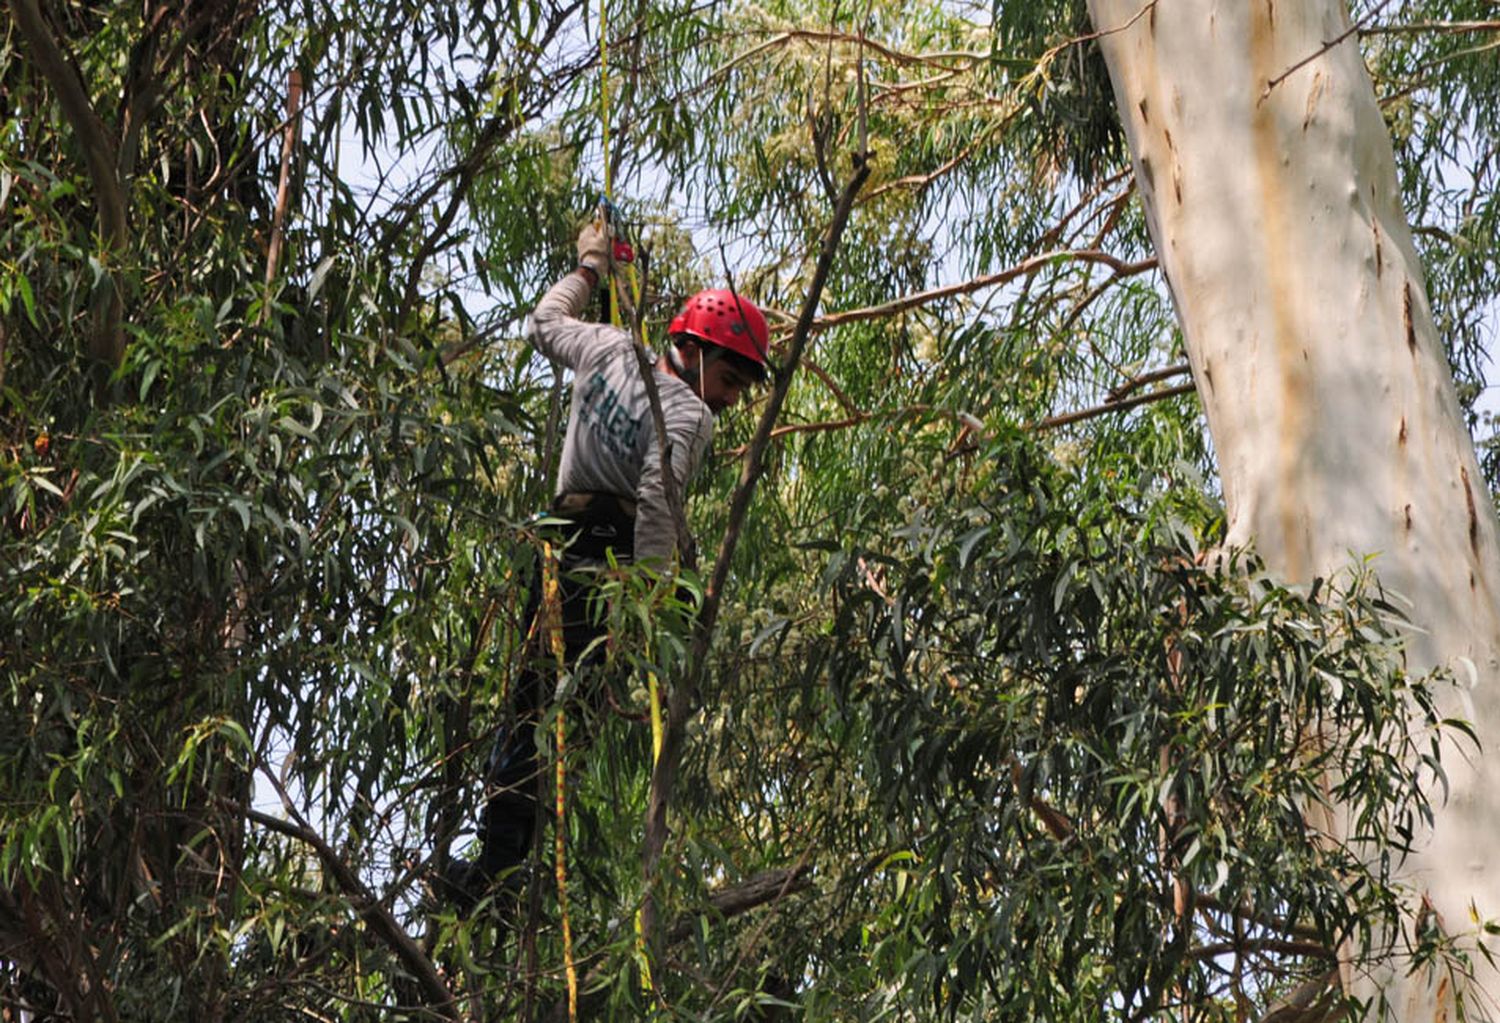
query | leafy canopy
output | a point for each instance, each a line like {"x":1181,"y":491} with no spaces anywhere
{"x":987,"y":729}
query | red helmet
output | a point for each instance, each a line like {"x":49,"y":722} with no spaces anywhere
{"x":722,"y":318}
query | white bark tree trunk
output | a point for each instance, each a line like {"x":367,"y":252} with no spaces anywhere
{"x":1270,"y":188}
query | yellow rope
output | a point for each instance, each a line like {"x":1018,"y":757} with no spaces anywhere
{"x":656,"y":740}
{"x":604,"y":87}
{"x":552,"y":609}
{"x":562,"y":877}
{"x":656,"y":730}
{"x":614,"y":290}
{"x":616,"y":320}
{"x":609,"y":194}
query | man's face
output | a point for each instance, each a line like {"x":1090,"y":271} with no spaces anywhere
{"x":716,"y":380}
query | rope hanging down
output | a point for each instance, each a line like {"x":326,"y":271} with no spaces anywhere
{"x":622,"y":255}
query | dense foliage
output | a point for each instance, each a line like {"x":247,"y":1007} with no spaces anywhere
{"x":988,"y":728}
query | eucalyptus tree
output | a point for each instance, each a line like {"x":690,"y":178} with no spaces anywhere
{"x":1271,"y":188}
{"x":979,"y":731}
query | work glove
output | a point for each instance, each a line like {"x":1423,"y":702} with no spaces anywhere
{"x":594,"y":248}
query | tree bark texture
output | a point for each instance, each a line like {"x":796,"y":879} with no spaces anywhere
{"x":1269,"y":183}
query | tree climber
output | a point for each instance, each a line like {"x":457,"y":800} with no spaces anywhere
{"x":613,"y":497}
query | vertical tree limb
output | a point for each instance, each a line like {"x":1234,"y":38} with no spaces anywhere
{"x":283,"y":182}
{"x":684,"y":695}
{"x":107,"y":344}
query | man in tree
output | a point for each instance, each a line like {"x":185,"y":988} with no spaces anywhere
{"x":614,"y":493}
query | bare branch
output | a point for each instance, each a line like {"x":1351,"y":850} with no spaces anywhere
{"x":1120,"y":390}
{"x":1121,"y":268}
{"x":1279,"y":946}
{"x":1113,"y":406}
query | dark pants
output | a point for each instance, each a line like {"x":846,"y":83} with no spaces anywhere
{"x":597,"y":524}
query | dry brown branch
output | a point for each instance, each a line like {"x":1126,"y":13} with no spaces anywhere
{"x":1112,"y":406}
{"x":1121,"y":390}
{"x":1277,"y":946}
{"x":1122,"y":268}
{"x":830,"y":36}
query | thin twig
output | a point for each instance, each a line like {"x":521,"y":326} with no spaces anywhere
{"x":1438,"y":27}
{"x":1100,"y":33}
{"x":1328,"y":45}
{"x":813,"y":368}
{"x":967,"y":420}
{"x":464,"y":173}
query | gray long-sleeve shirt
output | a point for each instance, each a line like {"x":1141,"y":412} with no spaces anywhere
{"x":611,"y":445}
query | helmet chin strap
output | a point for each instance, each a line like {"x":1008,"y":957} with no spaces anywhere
{"x":674,"y":359}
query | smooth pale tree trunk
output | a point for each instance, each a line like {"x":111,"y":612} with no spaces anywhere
{"x":1270,"y":188}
